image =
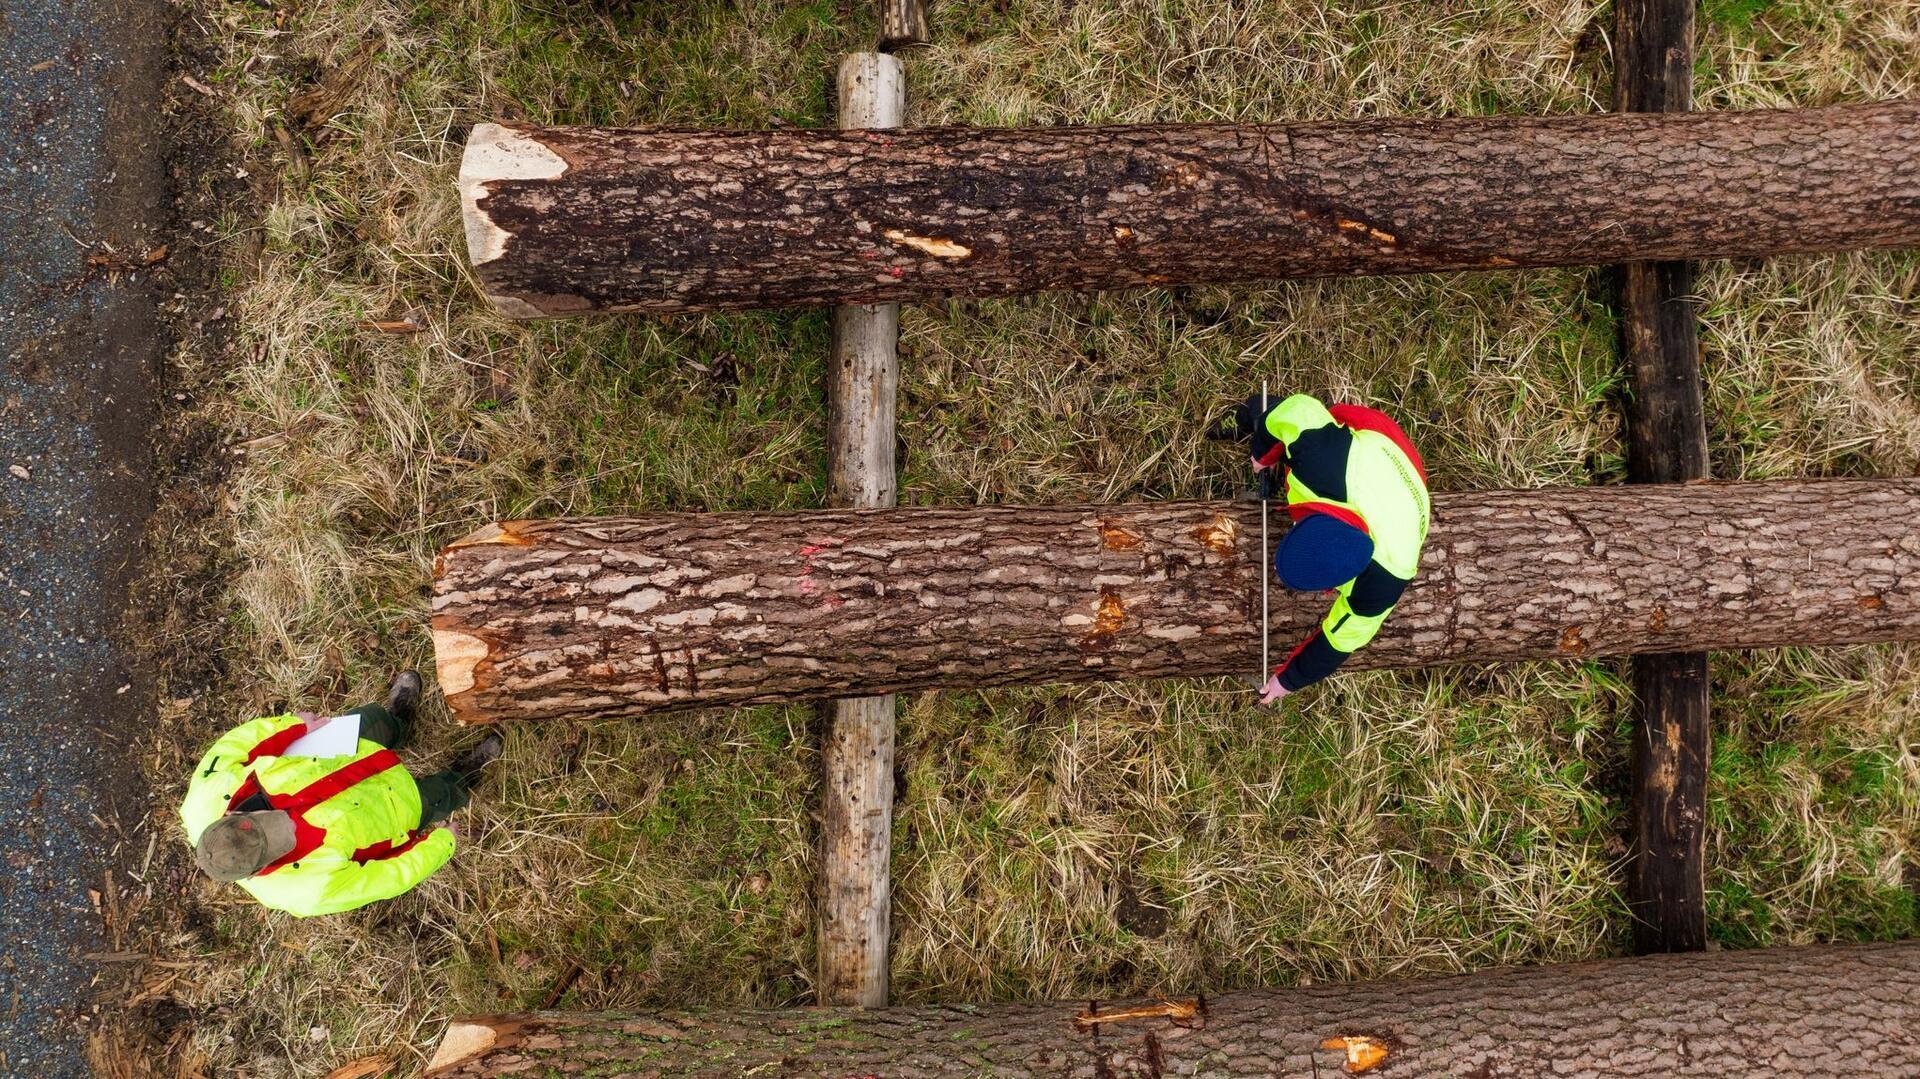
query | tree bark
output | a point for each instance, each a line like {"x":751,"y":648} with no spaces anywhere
{"x":902,"y":23}
{"x":565,"y":221}
{"x":629,"y":616}
{"x":1821,"y":1011}
{"x":1666,"y":443}
{"x":856,"y":800}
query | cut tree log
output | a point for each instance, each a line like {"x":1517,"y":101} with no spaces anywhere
{"x":630,"y":616}
{"x":856,"y":756}
{"x":1666,"y":443}
{"x":1787,"y":1012}
{"x":566,"y":221}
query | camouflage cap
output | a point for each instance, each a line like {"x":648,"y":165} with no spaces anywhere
{"x":239,"y":845}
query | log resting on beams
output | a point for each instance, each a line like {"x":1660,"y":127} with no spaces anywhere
{"x":566,"y":221}
{"x":1666,"y":443}
{"x":630,"y":616}
{"x":1787,"y":1012}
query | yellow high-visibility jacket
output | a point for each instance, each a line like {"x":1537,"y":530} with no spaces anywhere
{"x":1355,"y":464}
{"x":357,"y":834}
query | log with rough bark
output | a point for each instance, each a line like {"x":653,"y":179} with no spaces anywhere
{"x":565,"y":221}
{"x":856,"y":756}
{"x":629,"y":616}
{"x":1666,"y":443}
{"x":1788,"y":1012}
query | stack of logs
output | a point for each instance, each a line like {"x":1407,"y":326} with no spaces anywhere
{"x":624,"y":617}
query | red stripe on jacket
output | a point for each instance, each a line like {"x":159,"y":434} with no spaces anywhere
{"x":1295,"y":654}
{"x":308,"y":837}
{"x":1299,"y":511}
{"x":386,"y":849}
{"x":1361,"y":418}
{"x":276,"y":744}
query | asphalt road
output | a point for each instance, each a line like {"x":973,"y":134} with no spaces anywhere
{"x":81,"y":167}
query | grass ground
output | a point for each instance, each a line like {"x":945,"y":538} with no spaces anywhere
{"x":1050,"y":841}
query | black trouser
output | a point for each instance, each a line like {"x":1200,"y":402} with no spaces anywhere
{"x":440,"y":793}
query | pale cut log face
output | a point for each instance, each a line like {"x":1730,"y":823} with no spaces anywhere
{"x":497,"y":153}
{"x":630,"y":616}
{"x":462,"y":1042}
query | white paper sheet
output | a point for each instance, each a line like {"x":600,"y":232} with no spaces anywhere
{"x":339,"y":738}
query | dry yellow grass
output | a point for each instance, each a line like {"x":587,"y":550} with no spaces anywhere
{"x":1051,"y":841}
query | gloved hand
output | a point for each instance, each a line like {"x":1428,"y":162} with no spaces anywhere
{"x":1273,"y":692}
{"x":314,"y":722}
{"x":1250,"y":422}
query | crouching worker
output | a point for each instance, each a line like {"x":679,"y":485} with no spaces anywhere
{"x":318,"y":835}
{"x":1357,"y":492}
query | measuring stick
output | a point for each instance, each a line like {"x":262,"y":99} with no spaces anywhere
{"x":1260,"y":489}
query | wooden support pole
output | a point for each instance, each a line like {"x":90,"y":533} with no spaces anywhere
{"x":856,"y":810}
{"x":606,"y":617}
{"x":902,"y":23}
{"x":1786,"y":1013}
{"x":566,"y":221}
{"x":1666,"y":443}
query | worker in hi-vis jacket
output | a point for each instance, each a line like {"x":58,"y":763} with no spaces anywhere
{"x":317,"y":835}
{"x":1357,"y":492}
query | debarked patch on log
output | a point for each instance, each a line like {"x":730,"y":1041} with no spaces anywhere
{"x":1571,"y":642}
{"x":1109,"y":614}
{"x":937,"y":246}
{"x":503,"y":533}
{"x":456,"y":657}
{"x":1220,"y":535}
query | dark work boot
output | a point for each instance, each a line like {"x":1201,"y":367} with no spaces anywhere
{"x":403,"y":697}
{"x":468,"y":766}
